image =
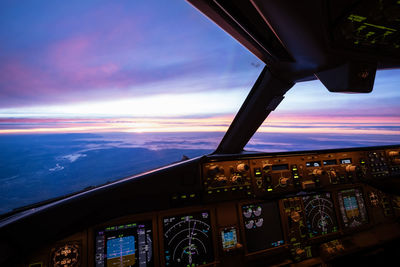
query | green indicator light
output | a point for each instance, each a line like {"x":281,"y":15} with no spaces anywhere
{"x":226,"y":189}
{"x":269,"y":189}
{"x":249,"y":193}
{"x":174,"y":197}
{"x":379,"y":27}
{"x":362,"y":27}
{"x":258,"y":173}
{"x":387,"y":33}
{"x":356,"y":18}
{"x":192,"y":195}
{"x":210,"y":192}
{"x":234,"y":188}
{"x":296,"y":177}
{"x":218,"y":191}
{"x":183,"y":196}
{"x":240,"y":188}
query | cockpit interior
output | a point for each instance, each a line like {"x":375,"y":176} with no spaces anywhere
{"x":335,"y":207}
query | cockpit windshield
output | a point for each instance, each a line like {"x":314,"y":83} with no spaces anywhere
{"x":311,"y":118}
{"x":95,"y":91}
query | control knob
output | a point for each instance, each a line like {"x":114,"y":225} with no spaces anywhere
{"x":318,"y":172}
{"x":295,"y":216}
{"x":351,"y":168}
{"x":242,"y":167}
{"x":214,"y":170}
{"x":299,"y":251}
{"x":221,"y":179}
{"x":236,"y":178}
{"x":283,"y":181}
{"x":267,"y":167}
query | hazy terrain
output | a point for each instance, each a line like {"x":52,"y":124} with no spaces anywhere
{"x":42,"y":166}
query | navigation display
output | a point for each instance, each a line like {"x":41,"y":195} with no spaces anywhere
{"x":352,"y":208}
{"x":188,"y":239}
{"x":320,"y":214}
{"x":262,"y":226}
{"x":125,"y":245}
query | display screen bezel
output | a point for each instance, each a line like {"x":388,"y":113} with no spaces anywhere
{"x":138,"y":218}
{"x":367,"y":212}
{"x":272,"y":250}
{"x":183,"y":211}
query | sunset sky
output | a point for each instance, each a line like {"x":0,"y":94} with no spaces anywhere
{"x":153,"y":66}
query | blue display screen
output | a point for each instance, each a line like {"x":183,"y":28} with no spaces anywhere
{"x":229,"y":238}
{"x":121,"y":246}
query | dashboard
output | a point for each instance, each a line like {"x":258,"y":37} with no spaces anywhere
{"x":312,"y":208}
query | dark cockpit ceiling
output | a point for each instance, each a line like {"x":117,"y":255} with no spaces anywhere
{"x":299,"y":39}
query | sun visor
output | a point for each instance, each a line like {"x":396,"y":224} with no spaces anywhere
{"x":351,"y":77}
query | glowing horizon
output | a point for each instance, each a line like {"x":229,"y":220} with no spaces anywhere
{"x":275,"y":124}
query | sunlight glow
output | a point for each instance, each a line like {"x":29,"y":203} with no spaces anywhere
{"x":286,"y":124}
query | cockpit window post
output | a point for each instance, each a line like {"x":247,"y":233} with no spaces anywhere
{"x":264,"y":97}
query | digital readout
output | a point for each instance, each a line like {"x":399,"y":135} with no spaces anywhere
{"x":280,"y":167}
{"x":345,"y":161}
{"x":313,"y":164}
{"x":330,"y":162}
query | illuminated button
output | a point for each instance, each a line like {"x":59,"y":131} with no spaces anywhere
{"x":183,"y":196}
{"x":269,"y":189}
{"x":192,"y":195}
{"x":209,"y":191}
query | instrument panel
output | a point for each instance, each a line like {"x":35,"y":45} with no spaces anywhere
{"x":257,"y":208}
